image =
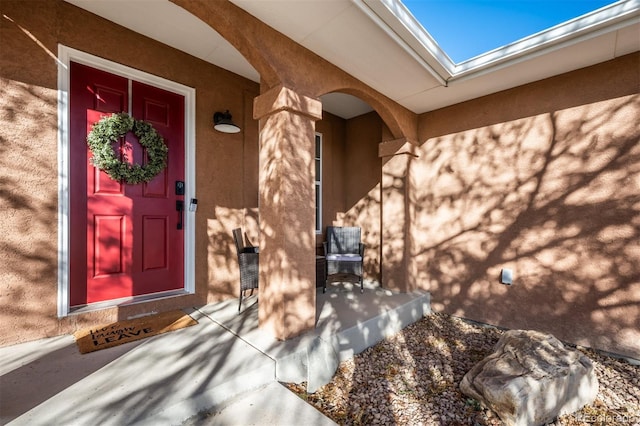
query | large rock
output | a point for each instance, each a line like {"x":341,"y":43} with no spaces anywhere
{"x":531,"y":378}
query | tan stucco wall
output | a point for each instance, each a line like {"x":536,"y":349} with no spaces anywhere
{"x":226,"y":165}
{"x":362,"y":186}
{"x":543,"y":179}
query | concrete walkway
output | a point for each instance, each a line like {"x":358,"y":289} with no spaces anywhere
{"x":223,"y":366}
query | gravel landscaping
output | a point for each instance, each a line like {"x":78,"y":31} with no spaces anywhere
{"x":412,"y":378}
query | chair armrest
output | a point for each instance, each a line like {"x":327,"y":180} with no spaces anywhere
{"x":250,"y":250}
{"x":362,"y":250}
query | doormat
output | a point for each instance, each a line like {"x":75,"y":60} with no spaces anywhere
{"x":117,"y":333}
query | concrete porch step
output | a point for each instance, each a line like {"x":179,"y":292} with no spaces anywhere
{"x":347,"y":323}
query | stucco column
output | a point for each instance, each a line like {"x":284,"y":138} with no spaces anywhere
{"x":287,"y":305}
{"x":396,"y":265}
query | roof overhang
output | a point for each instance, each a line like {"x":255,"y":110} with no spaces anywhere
{"x":601,"y":35}
{"x":380,"y":43}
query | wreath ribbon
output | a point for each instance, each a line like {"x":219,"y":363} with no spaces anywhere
{"x":110,"y":129}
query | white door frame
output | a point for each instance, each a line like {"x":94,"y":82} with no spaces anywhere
{"x":65,"y":56}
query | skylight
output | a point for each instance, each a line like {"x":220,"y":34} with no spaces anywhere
{"x":468,"y":28}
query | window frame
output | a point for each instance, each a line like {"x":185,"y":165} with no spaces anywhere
{"x":318,"y":181}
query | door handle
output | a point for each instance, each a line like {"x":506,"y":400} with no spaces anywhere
{"x":180,"y":209}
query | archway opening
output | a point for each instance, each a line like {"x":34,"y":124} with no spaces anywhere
{"x":348,"y":176}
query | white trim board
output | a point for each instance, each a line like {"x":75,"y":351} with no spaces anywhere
{"x":65,"y":56}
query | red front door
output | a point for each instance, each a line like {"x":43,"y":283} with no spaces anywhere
{"x":124,"y":239}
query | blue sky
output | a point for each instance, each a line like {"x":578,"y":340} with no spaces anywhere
{"x":467,"y":28}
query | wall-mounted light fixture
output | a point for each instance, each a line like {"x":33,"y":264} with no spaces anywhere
{"x":222,"y":122}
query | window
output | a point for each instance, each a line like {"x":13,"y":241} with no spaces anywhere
{"x":318,"y":183}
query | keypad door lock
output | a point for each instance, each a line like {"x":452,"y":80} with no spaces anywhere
{"x":179,"y":187}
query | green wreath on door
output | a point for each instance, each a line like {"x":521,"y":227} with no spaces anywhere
{"x":109,"y":130}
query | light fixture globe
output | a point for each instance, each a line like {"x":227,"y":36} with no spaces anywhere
{"x":222,"y":122}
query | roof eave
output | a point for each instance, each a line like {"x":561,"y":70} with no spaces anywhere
{"x":607,"y":19}
{"x":393,"y":16}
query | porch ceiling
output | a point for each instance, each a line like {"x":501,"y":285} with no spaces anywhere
{"x":379,"y":42}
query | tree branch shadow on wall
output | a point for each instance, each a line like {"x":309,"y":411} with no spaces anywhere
{"x":554,"y":197}
{"x":290,"y":202}
{"x":29,"y":201}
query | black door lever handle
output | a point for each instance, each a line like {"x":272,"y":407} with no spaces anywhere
{"x":180,"y":208}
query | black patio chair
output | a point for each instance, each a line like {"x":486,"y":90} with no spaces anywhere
{"x":248,"y":261}
{"x":344,"y":253}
